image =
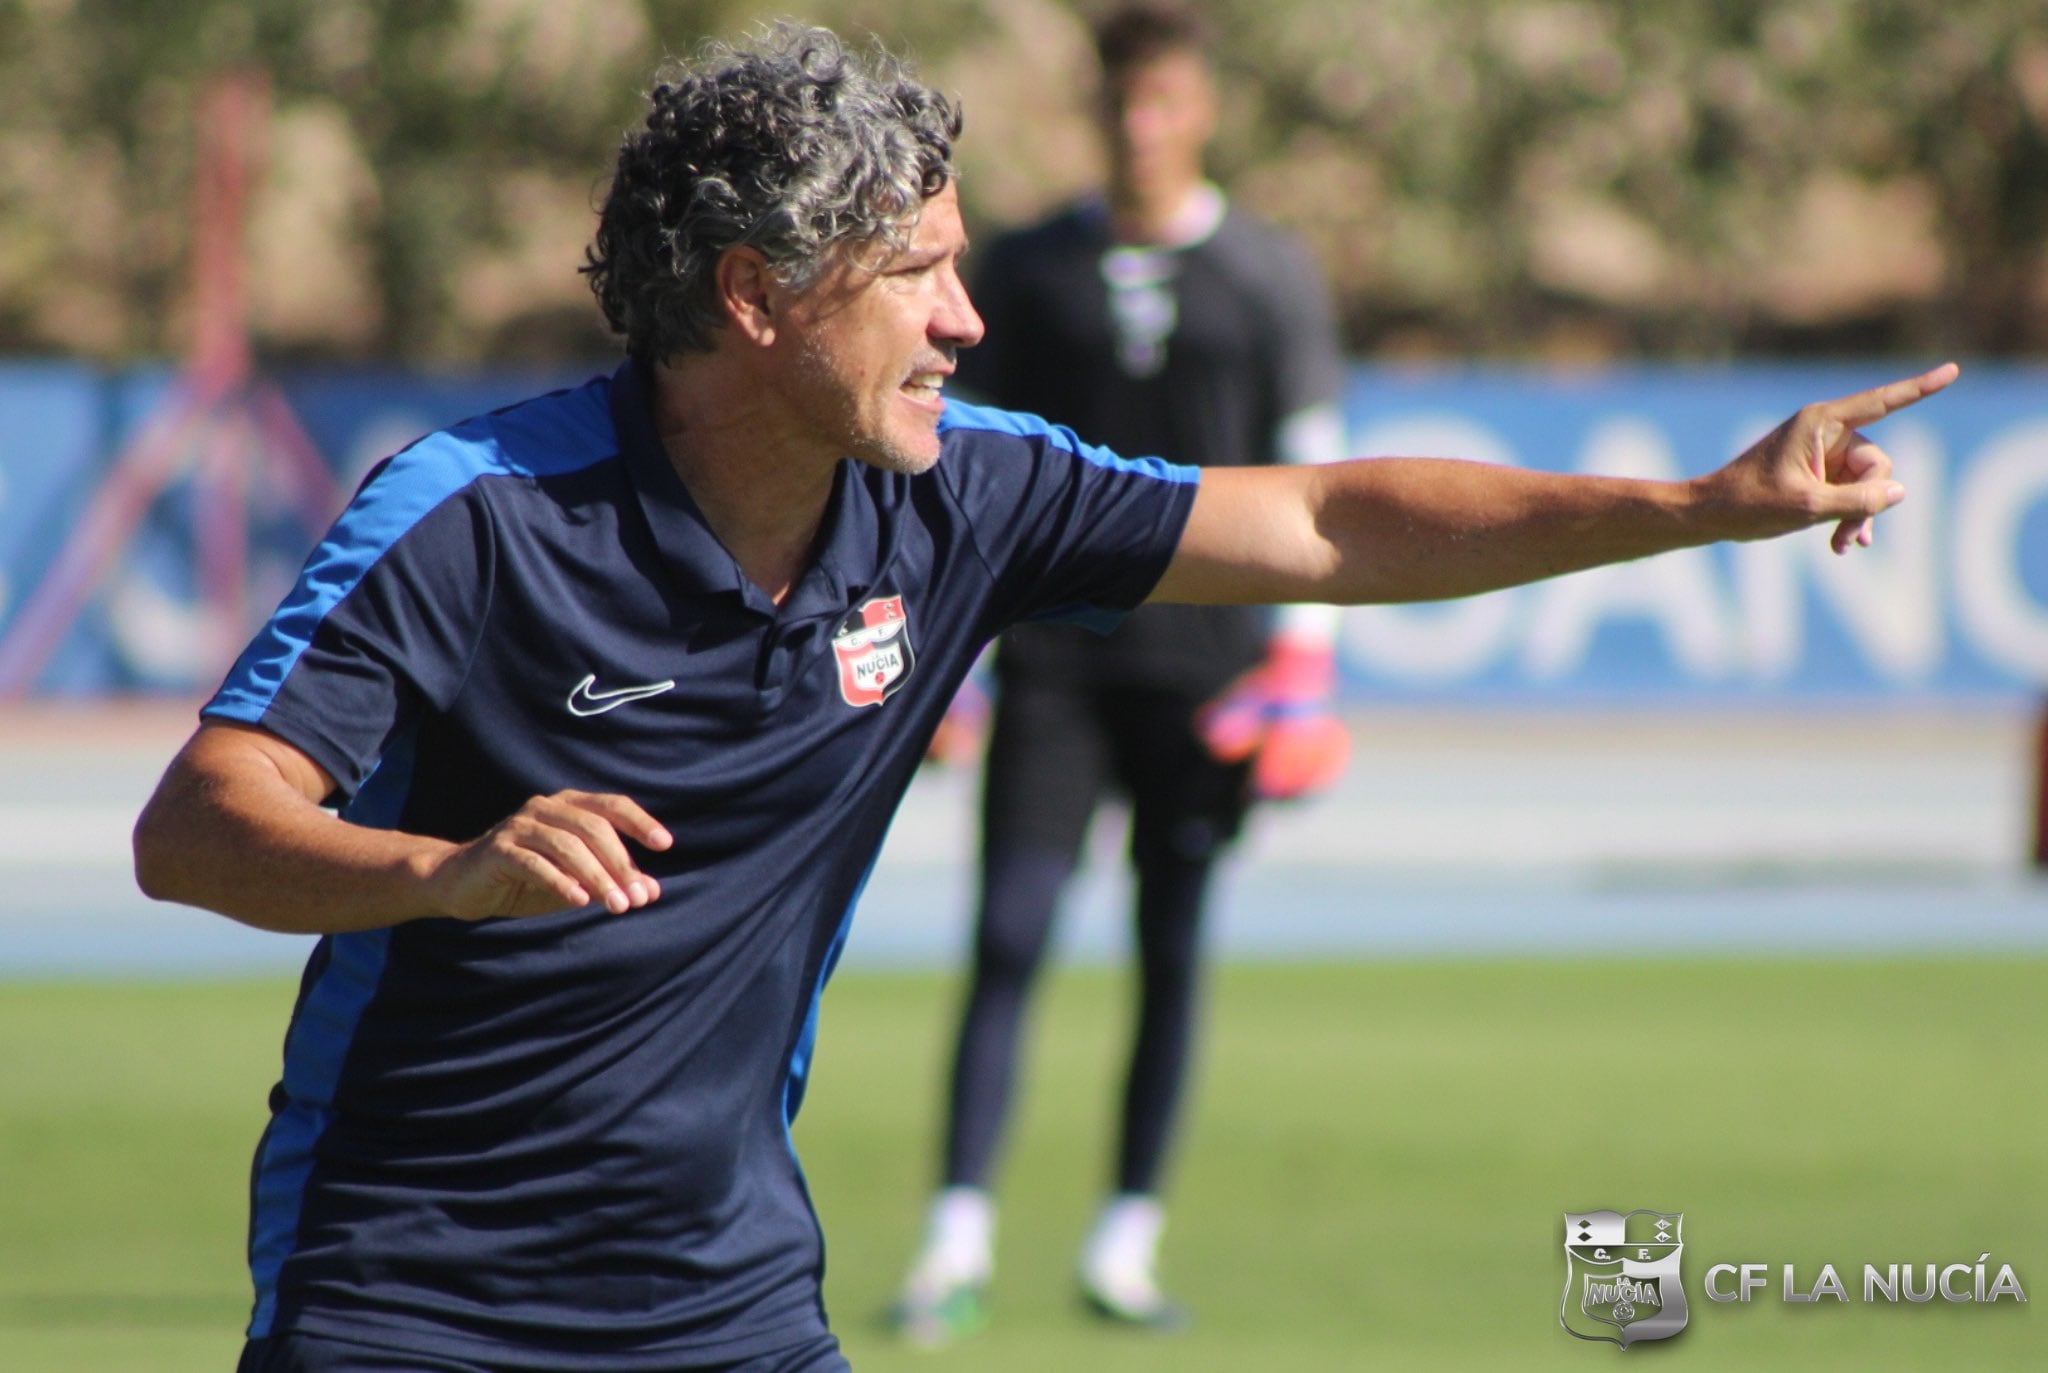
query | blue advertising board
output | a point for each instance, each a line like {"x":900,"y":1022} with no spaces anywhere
{"x":112,"y":538}
{"x":1951,"y":601}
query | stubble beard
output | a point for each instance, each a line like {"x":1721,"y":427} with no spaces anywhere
{"x":839,"y":417}
{"x":887,"y":456}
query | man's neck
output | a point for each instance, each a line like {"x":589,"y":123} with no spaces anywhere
{"x":1169,"y":218}
{"x":762,"y":495}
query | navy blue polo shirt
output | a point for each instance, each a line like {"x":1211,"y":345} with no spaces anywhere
{"x":563,"y":1141}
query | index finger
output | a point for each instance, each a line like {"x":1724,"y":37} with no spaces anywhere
{"x":1867,"y":407}
{"x":624,"y":814}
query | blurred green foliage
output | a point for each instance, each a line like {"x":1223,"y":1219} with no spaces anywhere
{"x":1562,"y":177}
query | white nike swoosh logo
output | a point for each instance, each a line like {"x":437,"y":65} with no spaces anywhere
{"x":585,"y":701}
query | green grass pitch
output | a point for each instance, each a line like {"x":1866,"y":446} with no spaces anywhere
{"x":1373,"y":1172}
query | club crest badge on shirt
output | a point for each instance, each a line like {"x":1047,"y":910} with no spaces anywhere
{"x":872,"y":645}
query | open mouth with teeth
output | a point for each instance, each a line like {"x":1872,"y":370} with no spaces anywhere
{"x":925,"y":386}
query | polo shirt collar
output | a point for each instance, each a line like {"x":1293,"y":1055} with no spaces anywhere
{"x":847,"y":553}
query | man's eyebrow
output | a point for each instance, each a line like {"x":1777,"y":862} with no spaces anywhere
{"x":917,"y":258}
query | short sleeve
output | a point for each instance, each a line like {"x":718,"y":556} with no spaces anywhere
{"x":1067,"y":530}
{"x":383,"y":619}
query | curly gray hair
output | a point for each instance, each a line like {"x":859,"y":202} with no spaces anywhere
{"x":795,"y":146}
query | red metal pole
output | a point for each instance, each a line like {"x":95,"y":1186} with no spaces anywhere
{"x":232,"y":114}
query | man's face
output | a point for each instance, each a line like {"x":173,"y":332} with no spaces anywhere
{"x":1157,"y":116}
{"x":873,"y":342}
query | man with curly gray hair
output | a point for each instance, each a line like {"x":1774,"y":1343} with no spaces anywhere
{"x":612,"y":694}
{"x":794,"y":150}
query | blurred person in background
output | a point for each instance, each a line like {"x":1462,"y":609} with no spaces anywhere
{"x":1157,"y":317}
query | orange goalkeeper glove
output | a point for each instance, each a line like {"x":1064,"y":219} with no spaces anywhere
{"x":1279,"y":716}
{"x":959,"y":737}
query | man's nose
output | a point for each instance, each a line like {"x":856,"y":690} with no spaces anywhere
{"x":956,"y":321}
{"x":1138,"y":123}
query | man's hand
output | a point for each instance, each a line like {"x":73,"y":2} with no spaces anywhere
{"x":1817,"y":466}
{"x":555,"y":853}
{"x":1278,"y":715}
{"x":236,"y":826}
{"x":1391,"y":530}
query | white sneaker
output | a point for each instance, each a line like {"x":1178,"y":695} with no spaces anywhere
{"x":933,"y":1314}
{"x":942,"y":1299}
{"x":1118,"y":1263}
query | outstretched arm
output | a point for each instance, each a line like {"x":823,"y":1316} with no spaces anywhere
{"x":236,"y":827}
{"x":1423,"y":529}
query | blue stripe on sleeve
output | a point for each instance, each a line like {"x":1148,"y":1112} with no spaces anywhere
{"x":554,"y":434}
{"x":1093,"y":618}
{"x":959,"y":415}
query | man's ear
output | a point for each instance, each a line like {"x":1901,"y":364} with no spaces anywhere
{"x":747,"y":294}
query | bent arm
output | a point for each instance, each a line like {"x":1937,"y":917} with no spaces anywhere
{"x":1421,"y":529}
{"x":236,"y":827}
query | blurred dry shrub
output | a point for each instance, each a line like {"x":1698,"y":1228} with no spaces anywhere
{"x":1568,"y":178}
